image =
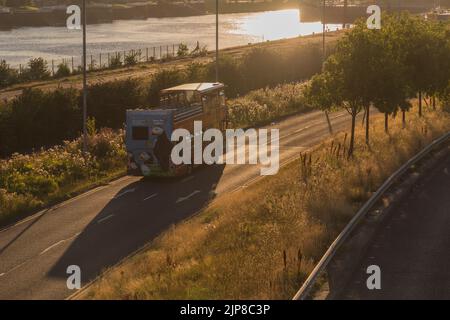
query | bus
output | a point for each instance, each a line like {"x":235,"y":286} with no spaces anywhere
{"x":148,"y":131}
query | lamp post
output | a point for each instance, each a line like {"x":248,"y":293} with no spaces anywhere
{"x":330,"y":128}
{"x":217,"y":40}
{"x":84,"y":80}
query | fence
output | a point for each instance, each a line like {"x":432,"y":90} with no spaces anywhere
{"x":108,"y":60}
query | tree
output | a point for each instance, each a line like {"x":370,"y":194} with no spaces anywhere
{"x":416,"y":45}
{"x":8,"y":76}
{"x":319,"y":92}
{"x":37,"y":70}
{"x":350,"y":74}
{"x":62,"y":71}
{"x":183,"y":50}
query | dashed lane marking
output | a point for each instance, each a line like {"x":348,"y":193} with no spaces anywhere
{"x":105,"y":218}
{"x":181,"y":199}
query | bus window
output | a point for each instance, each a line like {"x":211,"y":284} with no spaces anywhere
{"x":139,"y":133}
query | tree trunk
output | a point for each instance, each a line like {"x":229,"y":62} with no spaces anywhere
{"x":386,"y":123}
{"x":420,"y":103}
{"x":404,"y":119}
{"x":367,"y":123}
{"x":352,"y":135}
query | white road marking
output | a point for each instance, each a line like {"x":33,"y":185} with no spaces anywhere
{"x":124,"y":193}
{"x":152,"y":196}
{"x":105,"y":218}
{"x":16,"y":267}
{"x":302,"y":129}
{"x":181,"y":199}
{"x":187,"y":179}
{"x":58,"y":243}
{"x":62,"y":204}
{"x":43,"y":251}
{"x":52,"y":246}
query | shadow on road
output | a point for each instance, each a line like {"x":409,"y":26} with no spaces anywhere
{"x":133,"y":218}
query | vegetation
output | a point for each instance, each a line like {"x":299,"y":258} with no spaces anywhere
{"x":384,"y":68}
{"x":38,"y":119}
{"x":62,"y":71}
{"x":183,"y":50}
{"x":8,"y":76}
{"x":115,"y":61}
{"x":132,"y":58}
{"x":30,"y":182}
{"x":263,"y":105}
{"x":261,"y":243}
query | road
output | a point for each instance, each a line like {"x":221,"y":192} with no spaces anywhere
{"x":101,"y":227}
{"x":412,"y":248}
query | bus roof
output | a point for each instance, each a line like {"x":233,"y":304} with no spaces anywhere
{"x":200,"y":87}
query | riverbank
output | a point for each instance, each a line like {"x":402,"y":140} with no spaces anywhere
{"x":56,"y":16}
{"x":340,"y":14}
{"x":145,"y":70}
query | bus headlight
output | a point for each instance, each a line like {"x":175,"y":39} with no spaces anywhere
{"x":157,"y":131}
{"x":144,"y":156}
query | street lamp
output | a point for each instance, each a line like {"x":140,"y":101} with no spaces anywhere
{"x":330,"y":128}
{"x":217,"y":40}
{"x":84,"y":81}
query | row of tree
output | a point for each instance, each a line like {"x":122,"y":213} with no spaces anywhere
{"x":37,"y":119}
{"x":387,"y":68}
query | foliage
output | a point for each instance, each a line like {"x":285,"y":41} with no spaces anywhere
{"x":37,"y":69}
{"x":62,"y":71}
{"x":8,"y":76}
{"x":28,"y":182}
{"x":183,"y":50}
{"x":132,"y":58}
{"x":107,"y":102}
{"x":384,"y":68}
{"x":115,"y":61}
{"x":263,"y":105}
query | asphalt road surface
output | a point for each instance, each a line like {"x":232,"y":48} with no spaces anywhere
{"x":101,"y":227}
{"x":412,"y":247}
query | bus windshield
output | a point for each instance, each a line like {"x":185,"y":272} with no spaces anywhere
{"x":180,"y":99}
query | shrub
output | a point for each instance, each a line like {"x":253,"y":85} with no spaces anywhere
{"x":28,"y":182}
{"x":115,"y":61}
{"x":62,"y":71}
{"x":8,"y":76}
{"x":37,"y":70}
{"x":161,"y":80}
{"x":132,"y":58}
{"x":107,"y":102}
{"x":39,"y":119}
{"x":263,"y":105}
{"x":183,"y":50}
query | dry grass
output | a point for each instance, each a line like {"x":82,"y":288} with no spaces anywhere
{"x":261,"y":243}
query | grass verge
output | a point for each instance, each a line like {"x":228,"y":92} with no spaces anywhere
{"x":262,"y":242}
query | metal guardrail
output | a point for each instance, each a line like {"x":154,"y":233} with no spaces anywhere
{"x":304,"y":291}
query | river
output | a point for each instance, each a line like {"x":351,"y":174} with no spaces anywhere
{"x":19,"y":45}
